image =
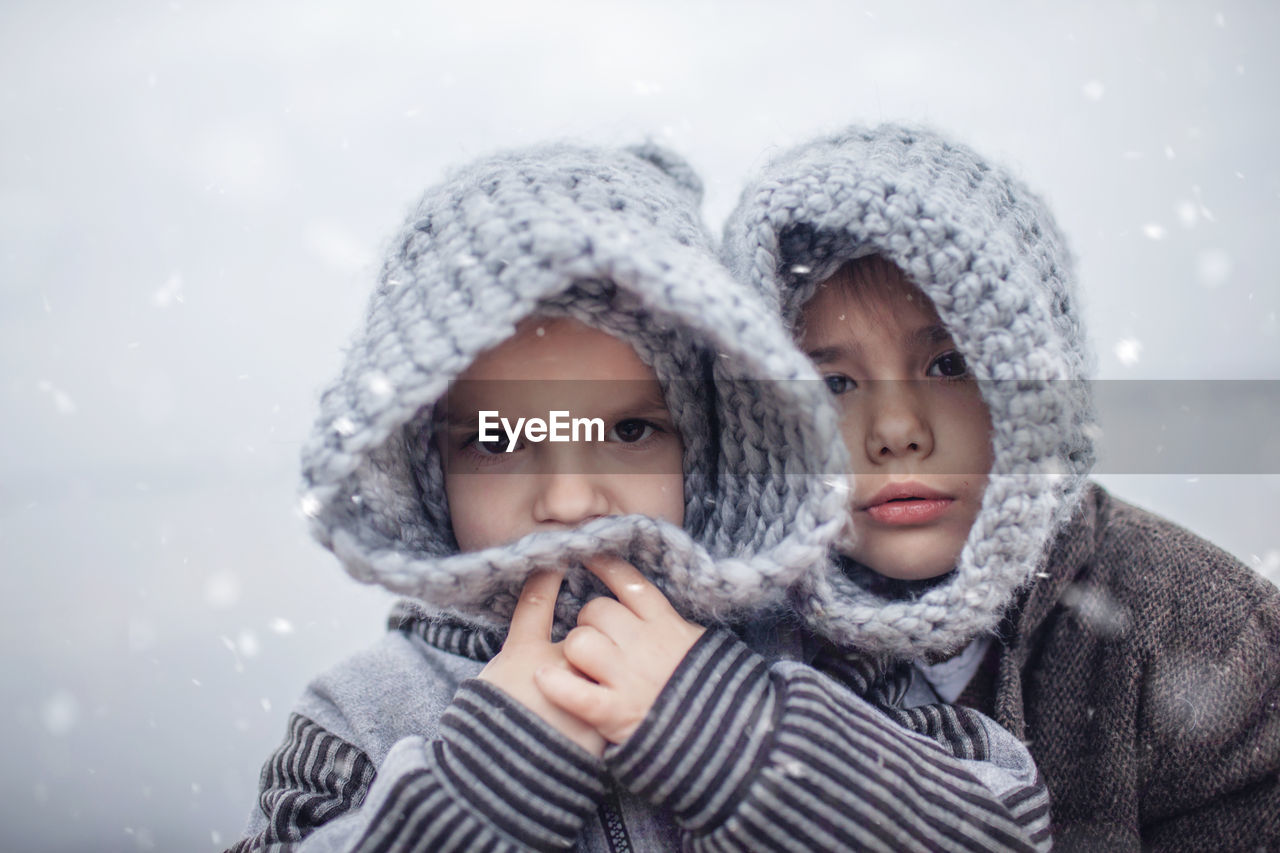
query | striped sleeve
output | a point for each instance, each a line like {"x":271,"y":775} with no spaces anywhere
{"x":496,"y":778}
{"x":752,"y":756}
{"x":310,"y":779}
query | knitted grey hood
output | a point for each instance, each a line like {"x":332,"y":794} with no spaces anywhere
{"x":612,"y":238}
{"x":989,"y":255}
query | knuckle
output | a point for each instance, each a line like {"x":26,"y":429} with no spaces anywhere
{"x":578,"y":641}
{"x":592,"y":610}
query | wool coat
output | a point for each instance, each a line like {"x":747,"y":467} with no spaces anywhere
{"x":1143,"y":672}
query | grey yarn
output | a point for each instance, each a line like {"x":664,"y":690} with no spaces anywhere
{"x":612,"y":238}
{"x":989,"y":255}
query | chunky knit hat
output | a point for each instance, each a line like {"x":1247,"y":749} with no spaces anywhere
{"x":612,"y":238}
{"x":989,"y":255}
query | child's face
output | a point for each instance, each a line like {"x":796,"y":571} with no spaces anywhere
{"x":917,"y":430}
{"x":495,"y":496}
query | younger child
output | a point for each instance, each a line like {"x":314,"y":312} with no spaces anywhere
{"x":576,"y":280}
{"x":1138,"y":662}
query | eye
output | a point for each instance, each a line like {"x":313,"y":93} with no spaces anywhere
{"x":949,"y":365}
{"x":489,"y":448}
{"x":838,"y":383}
{"x":630,"y":431}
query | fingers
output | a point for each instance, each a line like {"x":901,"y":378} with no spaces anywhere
{"x":593,"y":654}
{"x":611,"y":618}
{"x":536,"y":610}
{"x":631,"y":587}
{"x":574,"y":695}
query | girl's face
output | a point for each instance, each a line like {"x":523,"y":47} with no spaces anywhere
{"x":631,"y":463}
{"x":917,"y":430}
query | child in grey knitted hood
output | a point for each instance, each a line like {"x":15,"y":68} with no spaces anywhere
{"x":561,"y":674}
{"x":1138,"y":662}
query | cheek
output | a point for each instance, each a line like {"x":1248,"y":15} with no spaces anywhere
{"x":852,"y":433}
{"x":658,"y":493}
{"x":662,"y":497}
{"x":970,"y":426}
{"x":481,"y":510}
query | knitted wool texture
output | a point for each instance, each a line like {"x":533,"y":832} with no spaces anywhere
{"x":612,"y":238}
{"x":989,"y":255}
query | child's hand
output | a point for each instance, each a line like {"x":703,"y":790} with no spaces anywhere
{"x":629,"y":647}
{"x":528,"y":648}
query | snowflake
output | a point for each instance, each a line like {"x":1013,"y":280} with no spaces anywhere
{"x":1128,"y":351}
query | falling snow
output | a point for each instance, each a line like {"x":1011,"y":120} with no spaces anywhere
{"x":309,"y":505}
{"x":1268,"y":565}
{"x":1093,"y":90}
{"x":1097,"y":610}
{"x":1153,"y":231}
{"x":61,"y":400}
{"x":1128,"y":351}
{"x":247,"y":643}
{"x":378,"y":384}
{"x":142,"y":837}
{"x":1191,"y":697}
{"x":169,"y":293}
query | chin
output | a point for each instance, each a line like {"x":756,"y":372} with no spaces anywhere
{"x":909,"y":557}
{"x":913,"y":573}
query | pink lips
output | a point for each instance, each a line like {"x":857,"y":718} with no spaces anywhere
{"x":907,"y":503}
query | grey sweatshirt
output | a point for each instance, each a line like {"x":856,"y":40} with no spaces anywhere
{"x":401,"y":749}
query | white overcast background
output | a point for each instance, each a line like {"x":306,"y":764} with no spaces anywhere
{"x":193,"y":199}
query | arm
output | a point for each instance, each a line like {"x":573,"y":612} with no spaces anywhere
{"x":499,"y":776}
{"x":1210,"y":757}
{"x":751,"y":756}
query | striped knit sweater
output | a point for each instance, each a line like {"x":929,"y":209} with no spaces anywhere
{"x":400,"y":749}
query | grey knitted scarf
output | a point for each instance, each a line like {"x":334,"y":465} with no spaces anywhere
{"x":612,"y":238}
{"x":989,"y":255}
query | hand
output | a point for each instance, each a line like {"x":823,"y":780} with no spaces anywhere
{"x":624,"y":650}
{"x":528,"y":648}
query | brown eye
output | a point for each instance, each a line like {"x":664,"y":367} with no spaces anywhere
{"x":950,"y":365}
{"x":489,"y":448}
{"x":631,"y":430}
{"x":838,"y":383}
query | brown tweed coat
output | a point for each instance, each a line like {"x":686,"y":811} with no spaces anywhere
{"x":1143,"y":668}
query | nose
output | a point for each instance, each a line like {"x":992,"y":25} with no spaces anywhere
{"x":569,"y":497}
{"x":899,"y":424}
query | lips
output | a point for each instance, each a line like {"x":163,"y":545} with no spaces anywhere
{"x":907,"y":503}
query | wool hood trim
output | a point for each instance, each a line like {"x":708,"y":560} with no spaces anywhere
{"x":612,"y":238}
{"x":989,"y":255}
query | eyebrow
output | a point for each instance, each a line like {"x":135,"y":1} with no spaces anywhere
{"x":825,"y":355}
{"x":928,"y":336}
